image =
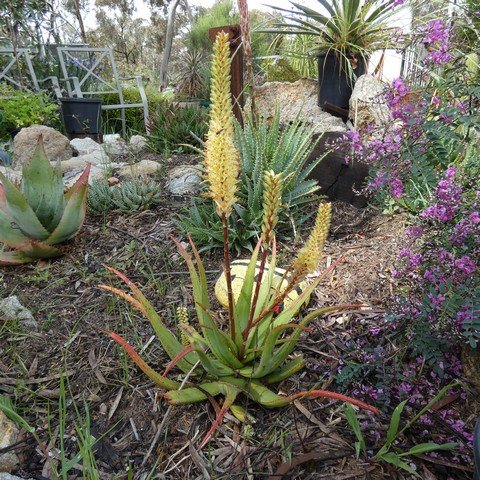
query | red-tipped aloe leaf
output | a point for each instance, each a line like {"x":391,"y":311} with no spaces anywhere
{"x":74,"y":212}
{"x":42,"y":187}
{"x":162,"y":382}
{"x":125,"y":296}
{"x":21,"y":212}
{"x":174,"y":361}
{"x":190,"y":395}
{"x":335,"y":396}
{"x":169,"y":342}
{"x":3,"y":200}
{"x":230,"y":396}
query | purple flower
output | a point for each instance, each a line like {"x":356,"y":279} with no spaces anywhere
{"x":396,"y":188}
{"x":413,"y":232}
{"x":466,"y":265}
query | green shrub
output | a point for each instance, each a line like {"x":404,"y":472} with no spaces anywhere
{"x":171,"y":128}
{"x":263,"y":147}
{"x":23,"y":109}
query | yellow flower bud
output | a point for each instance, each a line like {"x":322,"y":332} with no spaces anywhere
{"x":272,"y":197}
{"x":182,"y":318}
{"x":310,"y":254}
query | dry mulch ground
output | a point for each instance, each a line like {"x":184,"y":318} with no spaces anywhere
{"x":307,"y":440}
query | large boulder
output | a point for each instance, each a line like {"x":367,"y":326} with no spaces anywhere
{"x":298,"y":99}
{"x":367,"y":103}
{"x":57,"y":146}
{"x":184,"y":180}
{"x":8,"y":437}
{"x":138,"y":144}
{"x":115,"y":145}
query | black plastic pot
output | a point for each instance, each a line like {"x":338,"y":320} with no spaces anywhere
{"x":334,"y":84}
{"x":82,"y":115}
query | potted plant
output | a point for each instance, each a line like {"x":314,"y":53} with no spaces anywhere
{"x":347,"y":34}
{"x":82,"y":117}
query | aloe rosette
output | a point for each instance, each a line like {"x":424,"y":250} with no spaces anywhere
{"x":249,"y":347}
{"x":38,"y":216}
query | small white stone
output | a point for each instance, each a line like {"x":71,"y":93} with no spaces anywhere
{"x":12,"y":309}
{"x":138,"y":144}
{"x":144,"y":167}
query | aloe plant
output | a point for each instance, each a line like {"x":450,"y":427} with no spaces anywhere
{"x":39,"y":216}
{"x":251,"y":349}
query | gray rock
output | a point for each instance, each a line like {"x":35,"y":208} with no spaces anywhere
{"x":367,"y":103}
{"x":184,"y":180}
{"x":57,"y":146}
{"x":115,"y":145}
{"x":138,"y":144}
{"x":97,"y":172}
{"x":144,"y":167}
{"x":8,"y":436}
{"x":295,"y":99}
{"x":12,"y":175}
{"x":87,"y":146}
{"x":12,"y":309}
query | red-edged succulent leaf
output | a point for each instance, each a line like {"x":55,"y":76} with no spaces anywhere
{"x":74,"y":211}
{"x":14,"y":258}
{"x":3,"y":200}
{"x":125,"y":296}
{"x":39,"y":250}
{"x":230,"y":396}
{"x":136,"y":291}
{"x":335,"y":396}
{"x":162,"y":382}
{"x":10,"y":234}
{"x":174,"y":361}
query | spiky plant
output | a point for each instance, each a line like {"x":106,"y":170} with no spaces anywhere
{"x":252,"y":349}
{"x":39,"y":215}
{"x":135,"y":195}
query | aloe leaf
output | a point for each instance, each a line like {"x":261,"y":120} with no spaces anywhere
{"x":285,"y":371}
{"x":220,"y":347}
{"x":162,"y":382}
{"x":74,"y":212}
{"x":14,"y":258}
{"x":230,"y":396}
{"x":21,"y":212}
{"x":190,"y":395}
{"x":42,"y":187}
{"x":10,"y":234}
{"x":39,"y":250}
{"x":243,"y":304}
{"x":169,"y":342}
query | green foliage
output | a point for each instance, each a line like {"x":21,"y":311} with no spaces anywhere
{"x":284,"y":150}
{"x":353,"y":28}
{"x":129,"y":196}
{"x":220,"y":14}
{"x":112,"y":121}
{"x":39,"y":215}
{"x":23,"y":109}
{"x":171,"y":127}
{"x":391,"y":451}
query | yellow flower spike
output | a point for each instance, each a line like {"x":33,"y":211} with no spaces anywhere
{"x":272,"y":197}
{"x":221,"y":160}
{"x":182,"y":318}
{"x":310,"y":254}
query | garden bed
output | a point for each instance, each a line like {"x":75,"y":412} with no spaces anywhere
{"x":125,"y":408}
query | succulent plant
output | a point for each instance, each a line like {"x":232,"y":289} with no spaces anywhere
{"x":39,"y":215}
{"x":251,"y":346}
{"x":135,"y":195}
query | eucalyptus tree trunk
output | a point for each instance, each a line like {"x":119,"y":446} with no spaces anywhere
{"x":168,"y":44}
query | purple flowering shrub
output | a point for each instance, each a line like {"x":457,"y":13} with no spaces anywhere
{"x":439,"y":273}
{"x":431,"y":127}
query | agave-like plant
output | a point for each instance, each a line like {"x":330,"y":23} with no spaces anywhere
{"x":255,"y":349}
{"x":39,"y":215}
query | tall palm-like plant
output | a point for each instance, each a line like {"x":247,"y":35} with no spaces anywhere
{"x":352,"y":29}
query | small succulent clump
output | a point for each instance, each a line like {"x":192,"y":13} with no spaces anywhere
{"x":129,"y":196}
